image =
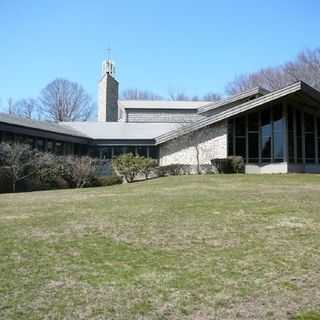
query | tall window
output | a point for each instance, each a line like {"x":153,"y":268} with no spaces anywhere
{"x":253,"y":137}
{"x":278,"y":133}
{"x":309,"y":137}
{"x":299,"y":136}
{"x":266,"y":135}
{"x":240,"y":132}
{"x":291,"y":134}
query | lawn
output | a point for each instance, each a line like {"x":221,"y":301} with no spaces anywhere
{"x":192,"y":247}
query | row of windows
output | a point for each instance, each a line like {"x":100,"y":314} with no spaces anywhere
{"x":258,"y":135}
{"x":303,"y":136}
{"x":64,"y":148}
{"x":41,"y":144}
{"x":113,"y":151}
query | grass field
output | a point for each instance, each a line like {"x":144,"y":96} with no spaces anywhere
{"x":193,"y":247}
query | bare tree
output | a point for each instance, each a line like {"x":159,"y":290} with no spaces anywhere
{"x":11,"y":106}
{"x":211,"y":96}
{"x":27,"y":108}
{"x":136,"y":94}
{"x":305,"y":67}
{"x":22,"y":162}
{"x":181,"y":96}
{"x":63,"y":100}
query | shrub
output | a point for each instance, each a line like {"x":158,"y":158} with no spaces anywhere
{"x":127,"y":165}
{"x":232,"y":164}
{"x":173,"y":170}
{"x":107,"y":181}
{"x":78,"y":172}
{"x":147,"y":165}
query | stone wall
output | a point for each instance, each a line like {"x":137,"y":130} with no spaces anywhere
{"x":207,"y":143}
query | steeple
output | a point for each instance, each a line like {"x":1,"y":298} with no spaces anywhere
{"x":108,"y":92}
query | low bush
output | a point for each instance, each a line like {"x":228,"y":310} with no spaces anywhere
{"x":129,"y":166}
{"x":232,"y":164}
{"x":174,"y":170}
{"x":107,"y":181}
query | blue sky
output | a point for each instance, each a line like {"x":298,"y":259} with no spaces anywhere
{"x":191,"y":46}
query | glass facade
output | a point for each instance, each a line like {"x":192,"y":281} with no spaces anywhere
{"x":265,"y":135}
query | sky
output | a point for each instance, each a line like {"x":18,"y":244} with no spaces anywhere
{"x":190,"y":46}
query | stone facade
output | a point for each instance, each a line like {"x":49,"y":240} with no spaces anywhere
{"x":204,"y":144}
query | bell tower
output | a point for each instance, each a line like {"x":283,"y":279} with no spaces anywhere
{"x":108,"y":88}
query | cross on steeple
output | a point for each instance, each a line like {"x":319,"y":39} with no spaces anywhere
{"x":109,"y":53}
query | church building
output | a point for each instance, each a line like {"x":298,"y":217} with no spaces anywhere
{"x":275,"y":132}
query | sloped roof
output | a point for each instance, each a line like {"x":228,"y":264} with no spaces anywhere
{"x":121,"y":130}
{"x":252,"y":93}
{"x":162,"y":104}
{"x":269,"y":97}
{"x":39,"y":125}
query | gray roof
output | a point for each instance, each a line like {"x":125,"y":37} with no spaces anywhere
{"x":39,"y":125}
{"x":162,"y":104}
{"x":257,"y":91}
{"x":121,"y":130}
{"x":274,"y":95}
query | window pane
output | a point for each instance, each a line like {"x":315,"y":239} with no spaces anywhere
{"x":50,"y":146}
{"x":298,"y":122}
{"x":130,"y":149}
{"x":154,"y":152}
{"x":59,"y":148}
{"x":253,"y":145}
{"x":310,"y":147}
{"x":142,"y":151}
{"x":240,"y":126}
{"x":266,"y":148}
{"x":40,"y":144}
{"x":299,"y":148}
{"x":291,"y":146}
{"x":308,"y":123}
{"x":290,"y":119}
{"x":266,"y":123}
{"x":117,"y":151}
{"x":230,"y":138}
{"x":241,"y":147}
{"x":277,"y":116}
{"x":106,"y":153}
{"x":278,"y":146}
{"x":253,"y":122}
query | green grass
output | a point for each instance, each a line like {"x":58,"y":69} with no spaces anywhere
{"x":193,"y":247}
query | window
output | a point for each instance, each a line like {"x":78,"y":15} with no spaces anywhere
{"x":309,"y":131}
{"x":278,"y":133}
{"x":130,"y":149}
{"x":266,"y":135}
{"x":290,"y":134}
{"x":253,"y":137}
{"x":117,"y":151}
{"x":40,"y":144}
{"x":299,"y":136}
{"x":230,"y":137}
{"x":142,"y":151}
{"x":106,"y":153}
{"x":59,"y":148}
{"x":154,"y":152}
{"x":50,"y":146}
